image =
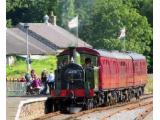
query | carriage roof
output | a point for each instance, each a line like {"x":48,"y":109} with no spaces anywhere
{"x":114,"y":54}
{"x":106,"y":53}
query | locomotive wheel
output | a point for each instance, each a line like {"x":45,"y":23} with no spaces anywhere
{"x":49,"y":106}
{"x":86,"y":106}
{"x":119,"y":97}
{"x":129,"y":97}
{"x":137,"y":95}
{"x":115,"y":98}
{"x":106,"y":102}
{"x":140,"y":92}
{"x":112,"y":100}
{"x":89,"y":104}
{"x":95,"y":103}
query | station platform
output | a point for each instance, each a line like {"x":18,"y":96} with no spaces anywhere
{"x":13,"y":104}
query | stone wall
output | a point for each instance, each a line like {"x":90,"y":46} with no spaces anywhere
{"x":32,"y":110}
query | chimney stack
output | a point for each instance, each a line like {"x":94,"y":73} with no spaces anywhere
{"x":53,"y":18}
{"x":46,"y":18}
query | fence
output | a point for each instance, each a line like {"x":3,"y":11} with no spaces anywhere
{"x":16,"y":88}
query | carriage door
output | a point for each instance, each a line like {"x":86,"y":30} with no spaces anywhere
{"x":123,"y":73}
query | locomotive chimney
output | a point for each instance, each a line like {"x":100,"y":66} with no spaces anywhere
{"x":74,"y":55}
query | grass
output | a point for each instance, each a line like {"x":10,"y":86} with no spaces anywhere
{"x":149,"y":86}
{"x":18,"y":69}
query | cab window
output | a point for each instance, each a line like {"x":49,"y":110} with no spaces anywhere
{"x":63,"y":59}
{"x":91,"y":57}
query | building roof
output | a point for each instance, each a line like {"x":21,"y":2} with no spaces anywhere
{"x":16,"y":44}
{"x":43,"y":39}
{"x":55,"y":34}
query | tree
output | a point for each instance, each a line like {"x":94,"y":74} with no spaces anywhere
{"x":99,"y":20}
{"x":108,"y":17}
{"x":66,"y":11}
{"x":84,"y":9}
{"x":29,"y":10}
{"x":144,"y":7}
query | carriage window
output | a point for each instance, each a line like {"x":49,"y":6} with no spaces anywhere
{"x":92,"y":58}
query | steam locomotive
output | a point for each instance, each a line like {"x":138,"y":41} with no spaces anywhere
{"x":111,"y":77}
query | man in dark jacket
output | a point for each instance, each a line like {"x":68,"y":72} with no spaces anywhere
{"x":44,"y":81}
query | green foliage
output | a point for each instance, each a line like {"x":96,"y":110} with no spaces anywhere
{"x":149,"y":85}
{"x":108,"y":17}
{"x":9,"y":23}
{"x":144,"y":7}
{"x":84,"y":10}
{"x":29,"y":10}
{"x":19,"y":68}
{"x":100,"y":21}
{"x":66,"y":11}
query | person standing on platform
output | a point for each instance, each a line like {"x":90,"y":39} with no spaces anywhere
{"x":44,"y":81}
{"x":50,"y":80}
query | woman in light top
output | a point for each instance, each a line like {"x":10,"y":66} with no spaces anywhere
{"x":51,"y":80}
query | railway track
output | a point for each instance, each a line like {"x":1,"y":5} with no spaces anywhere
{"x":128,"y":108}
{"x":131,"y":105}
{"x":142,"y":115}
{"x":142,"y":102}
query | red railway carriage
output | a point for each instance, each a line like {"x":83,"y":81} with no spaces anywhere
{"x":111,"y":76}
{"x":139,"y":69}
{"x":116,"y":70}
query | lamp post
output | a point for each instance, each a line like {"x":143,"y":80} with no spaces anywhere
{"x":26,"y":26}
